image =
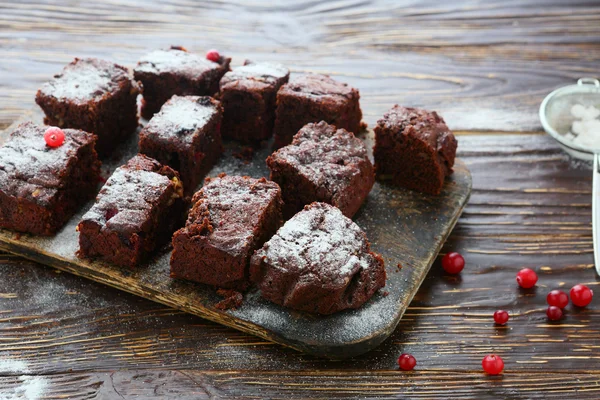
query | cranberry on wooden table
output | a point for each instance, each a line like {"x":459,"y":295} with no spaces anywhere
{"x":407,"y":362}
{"x":554,"y":313}
{"x":501,"y":317}
{"x":492,"y":364}
{"x":453,"y":263}
{"x":557,"y":298}
{"x":527,"y":278}
{"x":581,"y":295}
{"x":213,"y":55}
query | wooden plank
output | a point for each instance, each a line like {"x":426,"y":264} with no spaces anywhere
{"x":483,"y":66}
{"x":392,"y":218}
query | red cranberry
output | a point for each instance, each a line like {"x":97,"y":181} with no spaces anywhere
{"x":492,"y":364}
{"x":581,"y":295}
{"x":526,"y":278}
{"x":407,"y":362}
{"x":453,"y":263}
{"x":501,"y":317}
{"x":54,"y":137}
{"x":557,"y":298}
{"x":554,"y":313}
{"x":213,"y":55}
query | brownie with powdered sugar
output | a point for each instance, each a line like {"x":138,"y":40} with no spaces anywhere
{"x":93,"y":95}
{"x":248,"y":94}
{"x":185,"y":135}
{"x":319,"y":261}
{"x":176,"y":71}
{"x":323,"y":164}
{"x":231,"y":217}
{"x":41,"y":187}
{"x":135,"y":213}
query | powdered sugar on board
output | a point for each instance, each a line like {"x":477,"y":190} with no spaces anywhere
{"x":26,"y":386}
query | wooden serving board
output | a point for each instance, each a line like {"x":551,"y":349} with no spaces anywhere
{"x":408,"y":229}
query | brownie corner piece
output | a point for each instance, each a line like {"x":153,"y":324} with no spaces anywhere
{"x":186,"y":135}
{"x":414,"y":149}
{"x":175,"y":71}
{"x":136,"y":211}
{"x":323,"y":164}
{"x":41,"y":187}
{"x":313,"y":98}
{"x":319,"y":262}
{"x":95,"y":96}
{"x":231,"y":217}
{"x":248,"y":94}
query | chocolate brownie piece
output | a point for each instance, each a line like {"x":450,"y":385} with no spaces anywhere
{"x":165,"y":73}
{"x":414,"y":149}
{"x":231,"y":217}
{"x":41,"y":187}
{"x":314,"y":98}
{"x":248,"y":94}
{"x":323,"y":164}
{"x":319,"y":261}
{"x":95,"y":96}
{"x":186,"y":135}
{"x":135,"y":212}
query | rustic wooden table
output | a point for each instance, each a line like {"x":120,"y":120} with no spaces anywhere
{"x":485,"y":67}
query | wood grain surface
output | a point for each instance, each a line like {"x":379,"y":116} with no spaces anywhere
{"x":485,"y":66}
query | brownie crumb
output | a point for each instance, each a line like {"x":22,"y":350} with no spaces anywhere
{"x":232,"y":299}
{"x":245,"y":154}
{"x":399,"y":266}
{"x":385,"y":294}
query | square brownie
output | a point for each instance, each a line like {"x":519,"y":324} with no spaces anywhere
{"x":323,"y":164}
{"x":319,"y":261}
{"x":414,"y":149}
{"x":231,"y":217}
{"x":165,"y":73}
{"x":93,"y":95}
{"x":185,"y":135}
{"x":314,"y":98}
{"x":41,"y":187}
{"x":248,"y":94}
{"x":135,"y":212}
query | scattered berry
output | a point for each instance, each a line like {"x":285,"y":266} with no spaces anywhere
{"x":554,"y":313}
{"x":526,"y":278}
{"x":407,"y":362}
{"x":557,"y":298}
{"x":581,"y":295}
{"x":453,"y":263}
{"x":501,"y":317}
{"x":54,"y":137}
{"x":492,"y":364}
{"x":213,"y":55}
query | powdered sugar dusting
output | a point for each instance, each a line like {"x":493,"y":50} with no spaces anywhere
{"x":85,"y":79}
{"x":29,"y":387}
{"x":173,"y":60}
{"x":181,"y":117}
{"x":320,"y":237}
{"x":267,"y":73}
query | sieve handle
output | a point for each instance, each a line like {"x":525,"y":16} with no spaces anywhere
{"x":588,"y":81}
{"x":596,"y":211}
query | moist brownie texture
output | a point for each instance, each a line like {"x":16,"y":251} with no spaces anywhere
{"x":314,"y":98}
{"x":231,"y":217}
{"x":165,"y":73}
{"x":93,"y":95}
{"x":319,"y":261}
{"x":414,"y":149}
{"x":136,"y":211}
{"x":248,"y":94}
{"x":185,"y":135}
{"x":41,"y":187}
{"x":323,"y":164}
